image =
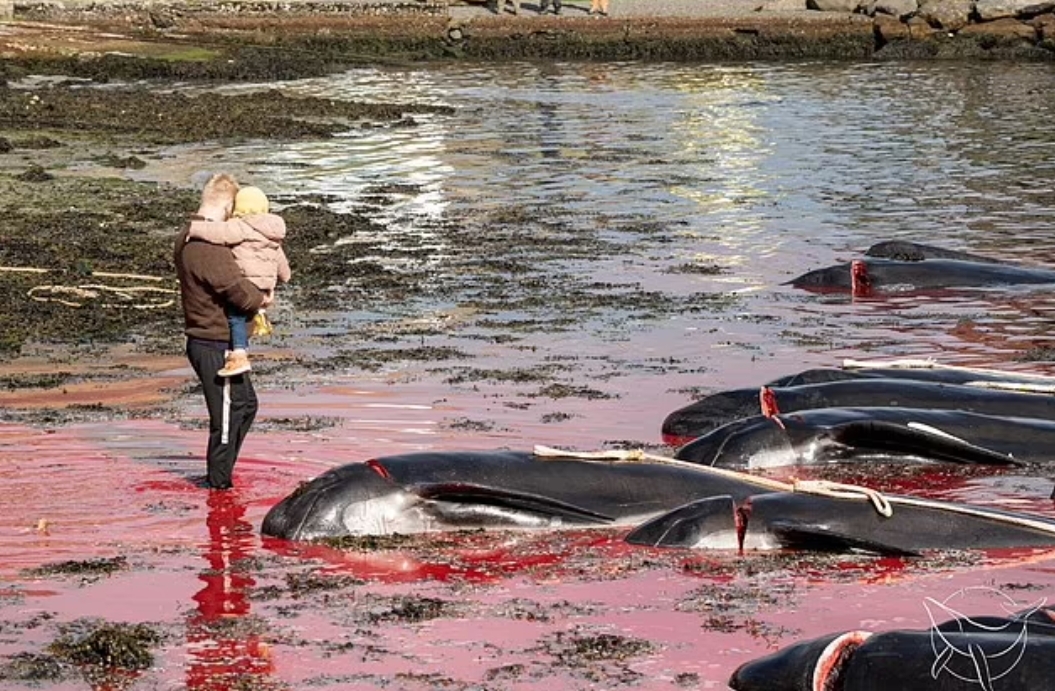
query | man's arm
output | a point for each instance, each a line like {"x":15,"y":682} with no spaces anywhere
{"x":215,"y":266}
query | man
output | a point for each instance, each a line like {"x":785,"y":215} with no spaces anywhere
{"x":544,"y":6}
{"x":209,"y":279}
{"x":498,"y":6}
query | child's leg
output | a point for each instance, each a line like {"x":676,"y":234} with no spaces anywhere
{"x":238,"y":323}
{"x":237,"y":358}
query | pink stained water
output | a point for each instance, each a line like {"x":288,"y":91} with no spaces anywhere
{"x":128,"y":489}
{"x":197,"y":566}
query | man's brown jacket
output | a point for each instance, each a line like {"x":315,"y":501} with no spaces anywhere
{"x":209,"y":279}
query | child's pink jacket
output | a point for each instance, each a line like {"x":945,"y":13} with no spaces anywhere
{"x":256,"y":242}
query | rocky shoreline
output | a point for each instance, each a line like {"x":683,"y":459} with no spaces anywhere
{"x":314,"y":36}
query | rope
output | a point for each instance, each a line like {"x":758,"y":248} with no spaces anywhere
{"x":883,"y":505}
{"x":100,"y":274}
{"x":1022,"y":520}
{"x":839,"y":490}
{"x":90,"y":292}
{"x":1024,"y":387}
{"x":911,"y":363}
{"x":121,"y":297}
{"x":639,"y":456}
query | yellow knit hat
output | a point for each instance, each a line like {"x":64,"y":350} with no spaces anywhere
{"x":250,"y":200}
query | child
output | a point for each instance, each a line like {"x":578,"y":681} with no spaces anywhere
{"x":255,"y":237}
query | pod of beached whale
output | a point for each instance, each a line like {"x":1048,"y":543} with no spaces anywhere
{"x":828,"y":415}
{"x":695,"y":500}
{"x":669,"y":504}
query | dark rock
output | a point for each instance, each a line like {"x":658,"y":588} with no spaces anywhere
{"x":35,"y":174}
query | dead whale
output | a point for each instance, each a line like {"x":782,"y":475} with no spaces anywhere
{"x":1011,"y":653}
{"x":713,"y":411}
{"x":832,"y":435}
{"x":430,"y":491}
{"x":869,"y":276}
{"x":921,"y":370}
{"x":907,"y":251}
{"x":833,"y":519}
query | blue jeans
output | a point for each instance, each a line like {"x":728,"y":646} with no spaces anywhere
{"x":238,"y":322}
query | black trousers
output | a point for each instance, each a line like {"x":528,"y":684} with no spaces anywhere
{"x":232,"y":406}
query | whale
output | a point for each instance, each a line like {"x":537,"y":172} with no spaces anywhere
{"x":916,"y":370}
{"x":1015,"y":653}
{"x":869,"y":276}
{"x":838,"y":435}
{"x":837,"y":520}
{"x":908,"y":251}
{"x":500,"y":489}
{"x":702,"y":416}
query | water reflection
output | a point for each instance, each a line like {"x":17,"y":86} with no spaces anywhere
{"x":765,"y":156}
{"x":224,"y":641}
{"x":761,"y":171}
{"x":722,"y":141}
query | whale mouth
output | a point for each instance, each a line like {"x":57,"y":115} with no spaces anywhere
{"x":834,"y":658}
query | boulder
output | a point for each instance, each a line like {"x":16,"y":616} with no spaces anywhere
{"x":1045,"y":26}
{"x":781,"y":6}
{"x":890,"y":29}
{"x":989,"y":10}
{"x":833,"y":5}
{"x":950,"y":15}
{"x":901,"y":9}
{"x":919,"y":28}
{"x":1001,"y":30}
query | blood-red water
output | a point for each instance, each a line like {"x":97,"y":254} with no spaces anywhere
{"x":193,"y":559}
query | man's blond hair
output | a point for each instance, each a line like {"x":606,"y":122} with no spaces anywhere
{"x":219,"y":192}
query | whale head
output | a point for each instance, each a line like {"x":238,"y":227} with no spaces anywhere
{"x":354,"y":499}
{"x":812,"y":665}
{"x":756,"y":441}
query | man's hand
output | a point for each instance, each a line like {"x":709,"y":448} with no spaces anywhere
{"x":268,"y":299}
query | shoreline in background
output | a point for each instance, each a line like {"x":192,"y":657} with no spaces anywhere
{"x":680,"y":30}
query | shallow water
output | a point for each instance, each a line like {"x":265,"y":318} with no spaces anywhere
{"x":749,"y":176}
